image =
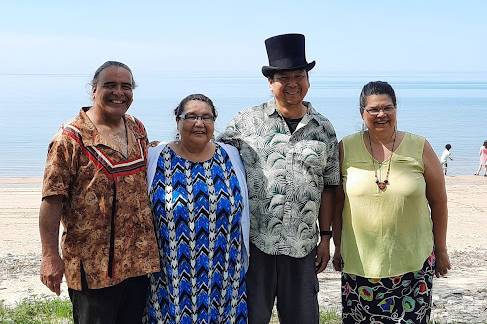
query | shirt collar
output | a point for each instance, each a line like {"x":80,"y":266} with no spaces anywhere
{"x":87,"y":129}
{"x":314,"y":115}
{"x":272,"y":110}
{"x":91,"y":136}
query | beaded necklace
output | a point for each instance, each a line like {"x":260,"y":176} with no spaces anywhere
{"x":382,"y":185}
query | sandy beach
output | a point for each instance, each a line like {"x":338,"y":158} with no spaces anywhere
{"x":461,"y":297}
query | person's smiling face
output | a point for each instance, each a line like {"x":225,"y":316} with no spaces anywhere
{"x":289,"y":87}
{"x":199,"y":131}
{"x":380,"y":113}
{"x":113,"y":93}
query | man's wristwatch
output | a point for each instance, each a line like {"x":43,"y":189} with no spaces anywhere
{"x":326,"y":233}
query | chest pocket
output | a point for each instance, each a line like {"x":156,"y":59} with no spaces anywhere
{"x":309,"y":157}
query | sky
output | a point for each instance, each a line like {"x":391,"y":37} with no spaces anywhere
{"x":205,"y":37}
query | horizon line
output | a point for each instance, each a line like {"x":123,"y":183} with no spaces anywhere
{"x":226,"y":73}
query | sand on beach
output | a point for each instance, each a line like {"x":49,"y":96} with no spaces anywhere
{"x":462,"y":292}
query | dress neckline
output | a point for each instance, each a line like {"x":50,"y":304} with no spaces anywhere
{"x":362,"y":138}
{"x":217,"y":147}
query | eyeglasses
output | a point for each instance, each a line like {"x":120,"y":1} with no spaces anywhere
{"x":207,"y":119}
{"x":376,"y":111}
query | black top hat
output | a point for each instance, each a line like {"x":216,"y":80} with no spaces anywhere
{"x":286,"y":52}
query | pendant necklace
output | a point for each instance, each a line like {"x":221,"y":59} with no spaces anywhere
{"x":382,"y":185}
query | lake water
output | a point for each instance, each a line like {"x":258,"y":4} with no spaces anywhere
{"x":445,"y":108}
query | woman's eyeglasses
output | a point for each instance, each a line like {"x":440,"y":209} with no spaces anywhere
{"x":207,"y":119}
{"x":376,"y":111}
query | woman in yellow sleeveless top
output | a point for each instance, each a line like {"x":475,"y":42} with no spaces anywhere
{"x":391,"y":218}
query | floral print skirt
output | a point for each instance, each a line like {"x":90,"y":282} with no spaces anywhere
{"x":402,"y":299}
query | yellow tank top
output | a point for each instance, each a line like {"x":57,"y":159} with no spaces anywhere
{"x":385,"y":233}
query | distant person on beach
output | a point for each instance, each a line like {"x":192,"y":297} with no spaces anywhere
{"x":390,"y":245}
{"x":445,"y":156}
{"x":483,"y":159}
{"x":290,"y":155}
{"x":199,"y":200}
{"x":95,"y":185}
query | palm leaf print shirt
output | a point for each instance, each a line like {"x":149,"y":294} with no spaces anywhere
{"x":286,"y":174}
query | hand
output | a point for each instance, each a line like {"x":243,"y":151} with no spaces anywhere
{"x":337,"y":260}
{"x":52,"y":271}
{"x":442,"y":263}
{"x":154,"y":143}
{"x":322,"y":254}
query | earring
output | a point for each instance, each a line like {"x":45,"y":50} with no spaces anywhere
{"x":178,"y":136}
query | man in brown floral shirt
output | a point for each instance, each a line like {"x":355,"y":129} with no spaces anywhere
{"x":95,"y":185}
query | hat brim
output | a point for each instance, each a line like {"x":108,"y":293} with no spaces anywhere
{"x":268,"y":71}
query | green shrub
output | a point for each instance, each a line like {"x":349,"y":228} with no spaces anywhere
{"x":54,"y":310}
{"x":326,"y":317}
{"x":37,"y":310}
{"x":330,"y":317}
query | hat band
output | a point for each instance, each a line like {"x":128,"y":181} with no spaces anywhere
{"x":286,"y":63}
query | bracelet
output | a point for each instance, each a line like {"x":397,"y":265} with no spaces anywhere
{"x":326,"y":233}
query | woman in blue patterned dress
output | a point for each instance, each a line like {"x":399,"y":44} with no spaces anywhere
{"x":199,"y":200}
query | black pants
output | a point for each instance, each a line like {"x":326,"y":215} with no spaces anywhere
{"x":122,"y":303}
{"x":292,"y":280}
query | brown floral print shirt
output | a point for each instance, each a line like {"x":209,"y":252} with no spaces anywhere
{"x":107,"y":220}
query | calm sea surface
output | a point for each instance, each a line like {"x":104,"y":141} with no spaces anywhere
{"x":445,"y":108}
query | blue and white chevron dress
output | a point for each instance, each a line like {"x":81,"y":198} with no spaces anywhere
{"x":197,"y":209}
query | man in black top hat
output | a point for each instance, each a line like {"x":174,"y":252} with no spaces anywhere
{"x":290,"y":154}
